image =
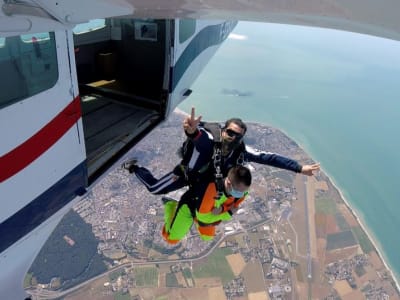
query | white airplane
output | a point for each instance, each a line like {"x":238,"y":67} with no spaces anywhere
{"x":81,"y":82}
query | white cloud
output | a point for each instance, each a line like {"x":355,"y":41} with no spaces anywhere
{"x":237,"y":36}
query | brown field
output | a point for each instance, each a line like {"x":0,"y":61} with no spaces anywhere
{"x":161,"y":279}
{"x":180,"y":278}
{"x":216,"y":293}
{"x":302,"y":291}
{"x":258,"y":296}
{"x":320,"y":292}
{"x":335,"y":255}
{"x":208,"y":282}
{"x":353,"y":295}
{"x":370,"y":275}
{"x":253,"y":277}
{"x":331,"y":225}
{"x":321,"y":185}
{"x":95,"y":290}
{"x":320,"y":225}
{"x":375,"y":260}
{"x":236,"y":262}
{"x":170,"y":293}
{"x":342,"y":287}
{"x":173,"y":257}
{"x":321,"y":245}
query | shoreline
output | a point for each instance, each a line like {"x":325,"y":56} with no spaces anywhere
{"x":374,"y":241}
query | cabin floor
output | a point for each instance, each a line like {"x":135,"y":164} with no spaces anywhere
{"x":109,"y":126}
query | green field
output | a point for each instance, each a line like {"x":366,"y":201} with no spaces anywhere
{"x":121,"y":296}
{"x":146,"y":276}
{"x":171,"y":280}
{"x":363,"y":239}
{"x":216,"y":266}
{"x":325,"y":205}
{"x":116,"y":274}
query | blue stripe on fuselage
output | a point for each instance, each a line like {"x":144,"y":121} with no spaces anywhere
{"x":209,"y":36}
{"x":43,"y":207}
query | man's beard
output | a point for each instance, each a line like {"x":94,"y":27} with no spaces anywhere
{"x":228,"y":147}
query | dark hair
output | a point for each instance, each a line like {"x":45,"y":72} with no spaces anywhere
{"x":238,"y":122}
{"x":240,"y":174}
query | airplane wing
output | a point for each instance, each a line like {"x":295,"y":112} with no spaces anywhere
{"x":379,"y":18}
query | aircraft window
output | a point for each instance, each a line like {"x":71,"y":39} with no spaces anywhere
{"x":92,"y":25}
{"x":28,"y":66}
{"x":36,"y":37}
{"x":186,"y":29}
{"x":2,"y":42}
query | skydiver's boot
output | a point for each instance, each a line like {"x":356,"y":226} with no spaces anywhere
{"x":165,"y":200}
{"x":130,"y":165}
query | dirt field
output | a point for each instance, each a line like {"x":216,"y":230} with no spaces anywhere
{"x":321,"y":246}
{"x":375,"y":260}
{"x":320,"y":292}
{"x":331,"y":225}
{"x":253,"y":277}
{"x":171,"y":293}
{"x":321,"y":185}
{"x":258,"y":296}
{"x":95,"y":290}
{"x":354,"y":295}
{"x":236,"y":262}
{"x":342,"y":287}
{"x":320,"y":225}
{"x":216,"y":293}
{"x":336,"y":255}
{"x":208,"y":282}
{"x":180,"y":279}
{"x":302,"y":291}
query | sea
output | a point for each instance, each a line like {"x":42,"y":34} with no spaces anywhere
{"x":337,"y":94}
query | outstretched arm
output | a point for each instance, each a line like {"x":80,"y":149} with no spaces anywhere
{"x":279,"y":161}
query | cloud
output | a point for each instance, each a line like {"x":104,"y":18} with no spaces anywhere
{"x":237,"y":37}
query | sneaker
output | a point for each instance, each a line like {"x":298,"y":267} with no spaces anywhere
{"x":130,"y":165}
{"x":167,"y":199}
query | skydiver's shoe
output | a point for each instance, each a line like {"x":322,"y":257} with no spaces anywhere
{"x":130,"y":165}
{"x":165,"y":200}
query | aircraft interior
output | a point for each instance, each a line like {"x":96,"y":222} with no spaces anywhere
{"x":122,"y":72}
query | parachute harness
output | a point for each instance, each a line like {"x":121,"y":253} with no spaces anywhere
{"x":219,"y":182}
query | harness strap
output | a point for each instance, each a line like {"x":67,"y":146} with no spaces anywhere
{"x":207,"y":224}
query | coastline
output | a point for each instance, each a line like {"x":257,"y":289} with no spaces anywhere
{"x":357,"y":215}
{"x":377,"y":246}
{"x":375,"y":242}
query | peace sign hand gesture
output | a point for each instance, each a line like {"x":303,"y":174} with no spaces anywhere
{"x":190,"y":123}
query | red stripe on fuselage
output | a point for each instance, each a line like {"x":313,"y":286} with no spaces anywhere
{"x":20,"y":157}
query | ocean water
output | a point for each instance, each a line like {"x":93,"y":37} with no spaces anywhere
{"x":335,"y":93}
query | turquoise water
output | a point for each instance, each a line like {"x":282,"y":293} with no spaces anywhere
{"x":337,"y":94}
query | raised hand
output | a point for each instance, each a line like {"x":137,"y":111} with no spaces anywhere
{"x":190,"y":123}
{"x":309,"y":169}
